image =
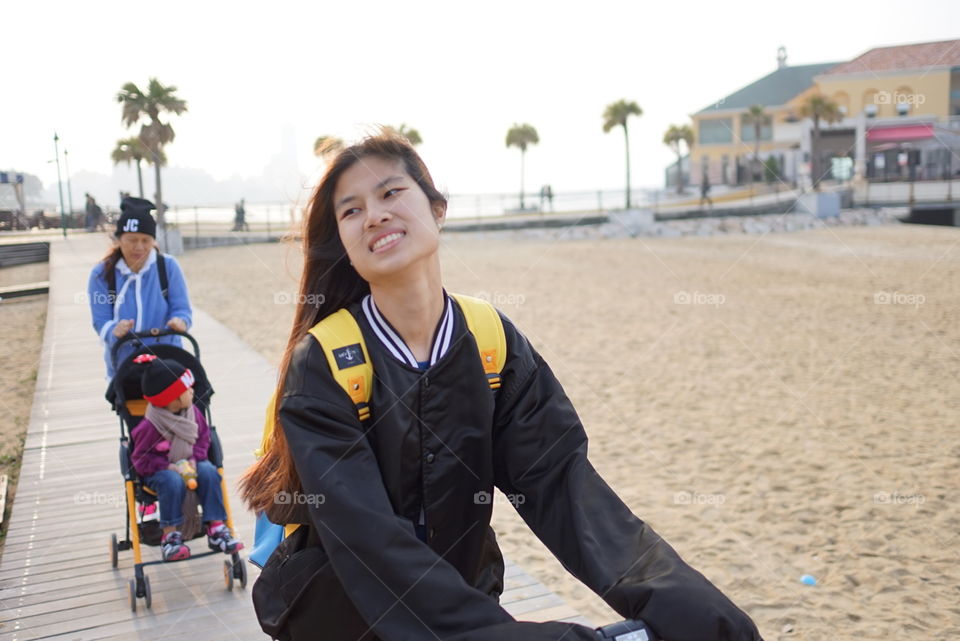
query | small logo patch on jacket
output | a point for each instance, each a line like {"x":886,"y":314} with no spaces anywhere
{"x":349,"y":356}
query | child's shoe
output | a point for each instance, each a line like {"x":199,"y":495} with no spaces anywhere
{"x":220,"y":539}
{"x":173,"y":547}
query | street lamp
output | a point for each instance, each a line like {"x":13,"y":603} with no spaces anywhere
{"x":125,"y":148}
{"x":66,"y":166}
{"x":56,"y":151}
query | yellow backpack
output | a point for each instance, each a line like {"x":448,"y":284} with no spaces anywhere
{"x":340,"y":330}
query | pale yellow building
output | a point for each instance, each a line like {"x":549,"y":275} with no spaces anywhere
{"x":900,"y":109}
{"x":724,"y":138}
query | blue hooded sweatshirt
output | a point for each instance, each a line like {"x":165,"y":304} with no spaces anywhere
{"x":138,"y":297}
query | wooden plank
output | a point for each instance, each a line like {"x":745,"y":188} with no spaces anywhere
{"x":24,"y":289}
{"x":194,"y":612}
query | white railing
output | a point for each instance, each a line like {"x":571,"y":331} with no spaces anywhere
{"x":905,"y":193}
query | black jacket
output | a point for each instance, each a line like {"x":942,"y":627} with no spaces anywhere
{"x":442,"y":440}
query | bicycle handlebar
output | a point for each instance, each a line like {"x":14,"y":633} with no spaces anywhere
{"x":629,"y":630}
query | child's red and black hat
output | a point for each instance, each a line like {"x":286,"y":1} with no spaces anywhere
{"x":164,"y":380}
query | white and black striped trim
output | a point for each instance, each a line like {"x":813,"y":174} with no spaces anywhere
{"x":442,"y":337}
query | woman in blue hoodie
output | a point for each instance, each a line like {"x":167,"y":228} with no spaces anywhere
{"x":126,"y":289}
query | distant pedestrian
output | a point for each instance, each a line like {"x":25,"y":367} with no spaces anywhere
{"x":546,"y":193}
{"x":705,"y":191}
{"x":93,"y":220}
{"x":240,"y":217}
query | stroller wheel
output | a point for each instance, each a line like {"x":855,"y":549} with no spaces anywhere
{"x":148,"y":598}
{"x":114,"y":550}
{"x":228,"y":574}
{"x":240,"y":570}
{"x":133,"y":595}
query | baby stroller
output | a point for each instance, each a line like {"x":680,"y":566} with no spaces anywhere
{"x":126,"y":397}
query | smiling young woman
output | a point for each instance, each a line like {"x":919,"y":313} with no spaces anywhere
{"x":400,"y":546}
{"x":390,"y":229}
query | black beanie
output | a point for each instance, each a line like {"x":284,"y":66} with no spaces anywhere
{"x":135,"y":217}
{"x":164,"y":380}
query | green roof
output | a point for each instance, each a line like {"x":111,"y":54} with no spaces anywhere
{"x":774,"y":89}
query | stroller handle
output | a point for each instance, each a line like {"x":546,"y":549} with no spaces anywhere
{"x":155,"y":332}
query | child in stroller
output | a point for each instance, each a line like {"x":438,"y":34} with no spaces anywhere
{"x":170,"y":448}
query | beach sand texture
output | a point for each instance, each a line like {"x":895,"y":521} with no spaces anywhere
{"x":23,"y":320}
{"x":773,"y":406}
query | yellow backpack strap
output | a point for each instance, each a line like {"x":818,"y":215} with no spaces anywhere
{"x":484,"y":323}
{"x":346,"y":352}
{"x":341,"y":340}
{"x":339,"y":336}
{"x":266,"y":439}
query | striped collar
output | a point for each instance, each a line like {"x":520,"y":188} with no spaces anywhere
{"x":442,"y":336}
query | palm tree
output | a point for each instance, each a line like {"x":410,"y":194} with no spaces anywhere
{"x":819,"y":107}
{"x":133,"y":150}
{"x":521,"y":136}
{"x":154,"y":133}
{"x":755,"y":116}
{"x":672,"y":138}
{"x":324,"y":145}
{"x":617,"y":113}
{"x":411,"y":134}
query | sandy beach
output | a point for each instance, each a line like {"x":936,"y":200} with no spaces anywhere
{"x":774,"y":406}
{"x":23,"y":323}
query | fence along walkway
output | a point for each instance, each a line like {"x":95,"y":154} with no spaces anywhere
{"x":56,"y":581}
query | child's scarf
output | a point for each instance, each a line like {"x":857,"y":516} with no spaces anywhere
{"x":179,"y":429}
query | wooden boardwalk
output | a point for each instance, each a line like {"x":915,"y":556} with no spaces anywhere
{"x":56,"y":581}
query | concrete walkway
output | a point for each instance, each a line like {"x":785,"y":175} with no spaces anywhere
{"x":56,"y":581}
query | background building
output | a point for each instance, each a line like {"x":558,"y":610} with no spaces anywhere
{"x":724,"y":138}
{"x":902,"y":111}
{"x":900,"y":120}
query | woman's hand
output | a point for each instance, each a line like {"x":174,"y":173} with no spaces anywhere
{"x":177,"y":324}
{"x":122,"y":327}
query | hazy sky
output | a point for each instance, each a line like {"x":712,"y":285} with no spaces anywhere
{"x":461,"y":73}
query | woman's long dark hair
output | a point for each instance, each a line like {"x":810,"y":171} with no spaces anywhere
{"x":110,"y":261}
{"x":328,"y":283}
